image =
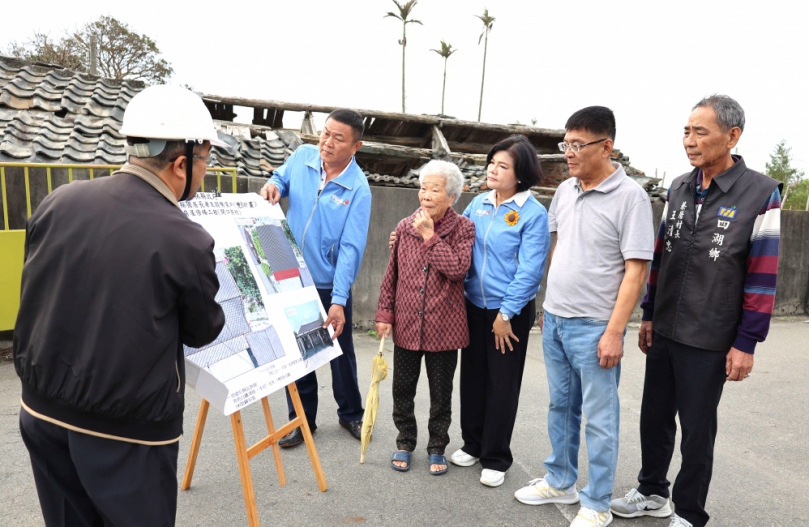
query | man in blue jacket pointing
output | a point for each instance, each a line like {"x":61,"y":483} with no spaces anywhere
{"x":329,"y":212}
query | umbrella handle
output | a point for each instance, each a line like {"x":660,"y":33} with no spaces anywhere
{"x":381,"y":344}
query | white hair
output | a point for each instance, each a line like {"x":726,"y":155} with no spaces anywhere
{"x":449,"y":171}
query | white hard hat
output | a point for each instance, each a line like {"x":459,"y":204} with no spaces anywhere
{"x":167,"y":113}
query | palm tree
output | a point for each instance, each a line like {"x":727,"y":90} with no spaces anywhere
{"x":488,"y":21}
{"x":404,"y":13}
{"x":446,"y":51}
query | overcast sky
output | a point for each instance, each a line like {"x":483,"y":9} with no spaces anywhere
{"x":648,"y":61}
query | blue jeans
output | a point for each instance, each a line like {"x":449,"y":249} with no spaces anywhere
{"x":577,"y":382}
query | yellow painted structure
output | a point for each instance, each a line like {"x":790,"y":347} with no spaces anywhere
{"x":12,"y":242}
{"x":11,"y":256}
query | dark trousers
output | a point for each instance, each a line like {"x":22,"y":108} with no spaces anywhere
{"x":88,"y":481}
{"x":440,"y":367}
{"x":490,"y":386}
{"x":343,"y":376}
{"x":688,"y":381}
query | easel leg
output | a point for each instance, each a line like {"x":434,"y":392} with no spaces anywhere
{"x":244,"y":469}
{"x":307,"y":437}
{"x":276,"y":451}
{"x":195,"y":442}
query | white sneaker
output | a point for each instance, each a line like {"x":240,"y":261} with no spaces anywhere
{"x":462,"y":459}
{"x":676,"y":521}
{"x":590,"y":518}
{"x":635,"y":504}
{"x":539,"y":492}
{"x":492,"y":478}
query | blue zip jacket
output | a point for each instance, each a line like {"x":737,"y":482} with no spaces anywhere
{"x":331,"y":229}
{"x":508,"y":257}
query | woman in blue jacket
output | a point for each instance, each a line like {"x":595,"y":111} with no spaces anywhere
{"x":508,"y":260}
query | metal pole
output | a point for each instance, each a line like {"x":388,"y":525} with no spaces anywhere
{"x":93,"y":55}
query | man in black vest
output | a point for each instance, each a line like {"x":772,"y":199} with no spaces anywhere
{"x":710,"y":298}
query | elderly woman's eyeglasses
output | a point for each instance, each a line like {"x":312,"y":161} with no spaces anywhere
{"x":575,"y":147}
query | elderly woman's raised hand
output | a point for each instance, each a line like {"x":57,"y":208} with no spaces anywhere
{"x":392,"y":239}
{"x":383,"y":329}
{"x":424,"y":225}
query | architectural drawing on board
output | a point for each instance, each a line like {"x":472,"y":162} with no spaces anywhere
{"x":280,"y":257}
{"x":313,"y":337}
{"x":307,"y":323}
{"x":237,"y":349}
{"x":273,"y":250}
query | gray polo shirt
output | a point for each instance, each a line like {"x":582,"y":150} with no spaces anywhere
{"x":597,"y":231}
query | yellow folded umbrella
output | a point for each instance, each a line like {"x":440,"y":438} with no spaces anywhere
{"x":379,"y":371}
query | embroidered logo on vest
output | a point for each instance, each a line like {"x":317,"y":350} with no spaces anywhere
{"x":727,"y":212}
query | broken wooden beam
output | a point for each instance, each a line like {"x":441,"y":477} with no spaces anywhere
{"x":441,"y":149}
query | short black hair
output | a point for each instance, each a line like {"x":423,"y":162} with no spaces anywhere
{"x":352,"y":119}
{"x":526,"y":163}
{"x":598,"y":120}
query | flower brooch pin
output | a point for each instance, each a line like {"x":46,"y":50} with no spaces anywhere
{"x":512,"y":218}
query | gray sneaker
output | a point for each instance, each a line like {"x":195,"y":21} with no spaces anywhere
{"x":676,"y":521}
{"x":635,"y":504}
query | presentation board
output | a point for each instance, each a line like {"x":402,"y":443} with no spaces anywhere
{"x":273,"y":332}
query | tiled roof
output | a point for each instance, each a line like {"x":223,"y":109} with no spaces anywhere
{"x":227,"y":285}
{"x":265,"y":345}
{"x":52,"y":115}
{"x":310,"y":326}
{"x":276,"y":248}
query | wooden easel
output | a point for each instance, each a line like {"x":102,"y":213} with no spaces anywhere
{"x":244,"y":454}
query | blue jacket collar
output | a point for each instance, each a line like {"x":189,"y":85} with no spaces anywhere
{"x":346,"y":179}
{"x":517,"y":199}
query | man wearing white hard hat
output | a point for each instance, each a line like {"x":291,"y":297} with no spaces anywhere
{"x":116,"y":279}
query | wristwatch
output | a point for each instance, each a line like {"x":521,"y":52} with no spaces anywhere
{"x":505,"y":317}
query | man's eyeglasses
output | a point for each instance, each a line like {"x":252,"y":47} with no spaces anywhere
{"x":210,"y":159}
{"x":575,"y":147}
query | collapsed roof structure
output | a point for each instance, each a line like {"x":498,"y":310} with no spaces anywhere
{"x":54,"y":115}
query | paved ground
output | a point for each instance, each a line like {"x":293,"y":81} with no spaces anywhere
{"x":759,"y":473}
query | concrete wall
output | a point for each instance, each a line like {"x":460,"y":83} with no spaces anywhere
{"x":391,"y":204}
{"x":792,"y":292}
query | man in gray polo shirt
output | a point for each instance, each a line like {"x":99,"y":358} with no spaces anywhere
{"x":605,"y":237}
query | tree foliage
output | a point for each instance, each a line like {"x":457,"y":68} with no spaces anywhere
{"x":404,"y":11}
{"x":121,"y":52}
{"x":240,"y":270}
{"x":446,"y":51}
{"x":291,"y":238}
{"x":488,"y":23}
{"x":798,"y":198}
{"x":41,"y":48}
{"x":780,"y":168}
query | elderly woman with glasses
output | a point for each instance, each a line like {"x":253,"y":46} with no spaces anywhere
{"x":421,"y":301}
{"x":508,"y":261}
